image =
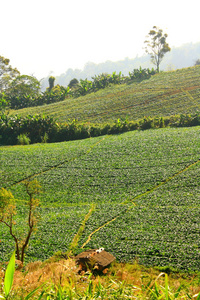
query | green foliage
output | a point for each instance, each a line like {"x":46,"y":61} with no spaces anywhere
{"x":164,"y":94}
{"x":141,"y":74}
{"x":22,"y":91}
{"x":23,"y":139}
{"x":9,"y":275}
{"x":17,"y":91}
{"x":51,"y":82}
{"x":56,"y":94}
{"x":8,"y":281}
{"x":103,"y":80}
{"x":8,"y":213}
{"x":146,"y":123}
{"x":22,"y":100}
{"x":24,"y":85}
{"x":44,"y":138}
{"x":73,"y":83}
{"x":84,"y":87}
{"x":144,"y":184}
{"x":7,"y":206}
{"x":7,"y":73}
{"x":3,"y":101}
{"x":37,"y":129}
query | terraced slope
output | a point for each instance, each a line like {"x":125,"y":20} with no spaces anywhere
{"x":164,"y":94}
{"x":136,"y":194}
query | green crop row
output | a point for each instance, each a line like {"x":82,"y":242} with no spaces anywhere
{"x":19,"y":163}
{"x":164,"y":94}
{"x":55,"y":231}
{"x":144,"y":185}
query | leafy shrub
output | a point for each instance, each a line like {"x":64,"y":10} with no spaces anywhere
{"x":103,"y":80}
{"x":141,"y":74}
{"x":162,"y":123}
{"x":3,"y":101}
{"x":189,"y":120}
{"x":44,"y":138}
{"x":9,"y":276}
{"x":37,"y":129}
{"x":34,"y":126}
{"x":84,"y":87}
{"x":21,"y":94}
{"x":95,"y":131}
{"x":23,"y":139}
{"x":17,"y":101}
{"x":73,"y":83}
{"x":56,"y":94}
{"x":147,"y":123}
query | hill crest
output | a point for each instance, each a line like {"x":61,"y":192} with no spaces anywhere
{"x":164,"y":94}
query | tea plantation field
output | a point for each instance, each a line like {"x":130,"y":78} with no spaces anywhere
{"x":144,"y":186}
{"x":164,"y":94}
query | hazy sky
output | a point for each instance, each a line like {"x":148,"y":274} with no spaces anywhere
{"x":41,"y":36}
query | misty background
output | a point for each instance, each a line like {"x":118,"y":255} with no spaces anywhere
{"x":179,"y":57}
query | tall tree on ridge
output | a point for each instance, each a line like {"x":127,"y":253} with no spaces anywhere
{"x":7,"y":73}
{"x":51,"y":82}
{"x":156,"y":45}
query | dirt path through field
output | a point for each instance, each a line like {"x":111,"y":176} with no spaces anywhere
{"x":137,"y":197}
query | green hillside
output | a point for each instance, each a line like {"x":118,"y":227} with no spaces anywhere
{"x":142,"y":187}
{"x":164,"y":94}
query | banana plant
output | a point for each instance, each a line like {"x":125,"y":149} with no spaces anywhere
{"x":9,"y":275}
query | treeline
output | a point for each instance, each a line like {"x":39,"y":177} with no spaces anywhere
{"x":23,"y":92}
{"x":12,"y":100}
{"x":104,"y":80}
{"x":41,"y":129}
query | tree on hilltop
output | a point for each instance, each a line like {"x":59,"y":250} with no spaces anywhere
{"x":51,"y":82}
{"x":156,"y":45}
{"x":7,"y":73}
{"x":24,"y":85}
{"x":22,"y":91}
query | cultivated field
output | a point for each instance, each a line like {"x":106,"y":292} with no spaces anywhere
{"x":141,"y":189}
{"x":164,"y":94}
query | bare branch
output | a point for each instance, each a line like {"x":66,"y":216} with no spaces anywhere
{"x":7,"y":211}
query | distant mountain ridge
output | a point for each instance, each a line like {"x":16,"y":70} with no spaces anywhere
{"x":179,"y":57}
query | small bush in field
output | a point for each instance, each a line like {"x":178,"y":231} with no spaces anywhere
{"x":23,"y":139}
{"x":45,"y":138}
